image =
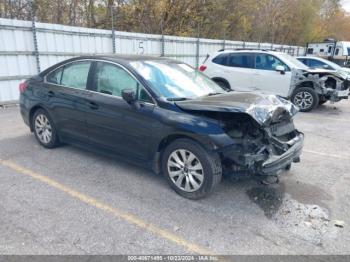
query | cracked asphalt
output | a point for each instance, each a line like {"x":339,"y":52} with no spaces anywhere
{"x":70,"y":201}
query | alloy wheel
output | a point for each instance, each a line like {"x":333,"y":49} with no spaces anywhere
{"x":43,"y":128}
{"x":185,"y":170}
{"x":303,"y":100}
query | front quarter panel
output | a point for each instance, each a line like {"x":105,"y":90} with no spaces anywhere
{"x":206,"y":131}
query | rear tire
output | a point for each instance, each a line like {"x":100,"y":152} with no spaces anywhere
{"x":44,"y":129}
{"x":191,"y":170}
{"x":305,"y":98}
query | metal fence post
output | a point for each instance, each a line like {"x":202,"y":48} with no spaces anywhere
{"x":197,"y":47}
{"x":224,"y":40}
{"x":35,"y":40}
{"x":162,"y":43}
{"x":113,"y":32}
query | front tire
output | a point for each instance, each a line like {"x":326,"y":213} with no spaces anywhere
{"x":44,"y":129}
{"x":305,"y":98}
{"x":191,"y":170}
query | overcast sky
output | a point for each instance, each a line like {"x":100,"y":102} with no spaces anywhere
{"x":346,"y":5}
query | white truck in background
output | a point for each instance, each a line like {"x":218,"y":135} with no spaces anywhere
{"x":336,"y":51}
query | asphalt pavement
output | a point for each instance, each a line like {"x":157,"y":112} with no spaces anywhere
{"x":71,"y":201}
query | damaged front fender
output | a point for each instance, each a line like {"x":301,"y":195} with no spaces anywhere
{"x":330,"y":85}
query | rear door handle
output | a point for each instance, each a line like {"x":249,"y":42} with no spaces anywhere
{"x":93,"y":105}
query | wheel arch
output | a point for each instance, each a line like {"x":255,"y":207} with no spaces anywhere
{"x":32,"y":112}
{"x":306,"y":84}
{"x":167,"y":140}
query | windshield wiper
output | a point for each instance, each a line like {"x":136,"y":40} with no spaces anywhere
{"x":177,"y":98}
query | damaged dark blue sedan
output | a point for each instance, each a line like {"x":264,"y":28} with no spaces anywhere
{"x":163,"y":114}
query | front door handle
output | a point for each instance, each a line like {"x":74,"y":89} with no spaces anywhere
{"x":93,"y":105}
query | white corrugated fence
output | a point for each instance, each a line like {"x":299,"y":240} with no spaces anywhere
{"x":25,"y":48}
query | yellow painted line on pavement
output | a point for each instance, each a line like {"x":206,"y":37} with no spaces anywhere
{"x":326,"y":154}
{"x":131,"y":219}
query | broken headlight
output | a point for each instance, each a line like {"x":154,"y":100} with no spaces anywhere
{"x":241,"y":128}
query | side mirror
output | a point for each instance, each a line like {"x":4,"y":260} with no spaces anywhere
{"x":280,"y":69}
{"x":326,"y":66}
{"x":129,"y":95}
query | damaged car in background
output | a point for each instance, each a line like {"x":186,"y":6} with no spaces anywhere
{"x":163,"y":114}
{"x":276,"y":73}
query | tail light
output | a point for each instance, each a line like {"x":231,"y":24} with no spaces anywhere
{"x":22,"y":87}
{"x":202,"y":68}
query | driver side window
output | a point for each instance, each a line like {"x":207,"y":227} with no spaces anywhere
{"x":268,"y":62}
{"x":112,"y":80}
{"x":317,"y":64}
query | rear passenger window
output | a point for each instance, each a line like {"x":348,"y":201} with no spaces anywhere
{"x":55,"y":77}
{"x":220,"y":59}
{"x":241,"y":60}
{"x":75,"y":75}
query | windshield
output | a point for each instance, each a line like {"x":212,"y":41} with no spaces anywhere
{"x":175,"y":80}
{"x":292,"y":60}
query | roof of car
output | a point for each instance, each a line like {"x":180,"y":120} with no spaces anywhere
{"x":311,"y":57}
{"x":121,"y":59}
{"x":118,"y":57}
{"x":248,"y":51}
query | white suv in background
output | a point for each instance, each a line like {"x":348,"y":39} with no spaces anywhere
{"x":275,"y":73}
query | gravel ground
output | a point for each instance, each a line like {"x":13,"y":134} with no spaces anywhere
{"x":70,"y":201}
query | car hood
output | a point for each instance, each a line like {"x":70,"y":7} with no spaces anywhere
{"x":320,"y":71}
{"x":345,"y":72}
{"x":265,"y":109}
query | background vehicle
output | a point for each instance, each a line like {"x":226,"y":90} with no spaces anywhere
{"x":163,"y":114}
{"x":318,"y":62}
{"x":337,"y":51}
{"x":275,"y":73}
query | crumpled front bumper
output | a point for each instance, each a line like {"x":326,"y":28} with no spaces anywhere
{"x":278,"y":162}
{"x":340,"y":92}
{"x":263,"y":163}
{"x":337,"y":95}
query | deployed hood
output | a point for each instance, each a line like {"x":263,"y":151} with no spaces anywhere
{"x":263,"y":108}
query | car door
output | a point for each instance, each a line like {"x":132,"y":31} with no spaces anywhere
{"x":112,"y":122}
{"x":239,"y":68}
{"x":267,"y":79}
{"x":66,"y":92}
